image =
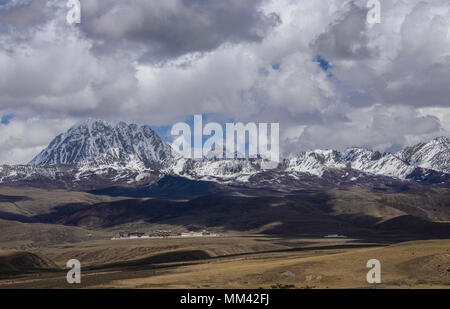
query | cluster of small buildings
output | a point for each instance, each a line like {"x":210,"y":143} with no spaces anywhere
{"x":201,"y":234}
{"x":130,"y":235}
{"x":161,"y":234}
{"x":335,"y":236}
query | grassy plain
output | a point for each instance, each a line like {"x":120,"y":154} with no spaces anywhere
{"x":241,"y":261}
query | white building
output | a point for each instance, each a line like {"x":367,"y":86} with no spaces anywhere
{"x":191,"y":234}
{"x":335,"y":236}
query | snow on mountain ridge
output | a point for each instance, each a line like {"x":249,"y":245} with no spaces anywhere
{"x":315,"y":162}
{"x":376,"y":163}
{"x":94,"y":139}
{"x":96,"y":147}
{"x":433,"y":155}
{"x":209,"y":169}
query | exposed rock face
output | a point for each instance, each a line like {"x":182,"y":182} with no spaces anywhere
{"x":96,"y":140}
{"x":434,"y":155}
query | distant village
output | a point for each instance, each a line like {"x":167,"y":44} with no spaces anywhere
{"x":161,"y":234}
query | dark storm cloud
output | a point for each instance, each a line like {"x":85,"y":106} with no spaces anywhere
{"x":419,"y":87}
{"x":22,"y":13}
{"x":330,"y":79}
{"x":346,"y":37}
{"x":168,"y":29}
{"x":415,"y":48}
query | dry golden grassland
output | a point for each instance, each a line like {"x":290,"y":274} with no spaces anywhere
{"x":243,"y":262}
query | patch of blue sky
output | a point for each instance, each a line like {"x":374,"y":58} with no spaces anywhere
{"x":6,"y":119}
{"x":324,"y":64}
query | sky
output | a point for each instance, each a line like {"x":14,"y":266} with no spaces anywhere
{"x":318,"y":68}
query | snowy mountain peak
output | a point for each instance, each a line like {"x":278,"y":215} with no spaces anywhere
{"x":432,"y":155}
{"x":133,"y":152}
{"x":442,"y":139}
{"x":93,"y":139}
{"x":377,"y":163}
{"x":90,"y":122}
{"x":315,"y":162}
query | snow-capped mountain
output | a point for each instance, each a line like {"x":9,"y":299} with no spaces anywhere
{"x":99,"y":154}
{"x":315,"y":162}
{"x":212,"y":169}
{"x":376,"y":163}
{"x":318,"y":162}
{"x":100,"y":143}
{"x":433,"y":155}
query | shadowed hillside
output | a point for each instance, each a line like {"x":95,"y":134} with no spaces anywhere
{"x":344,"y":212}
{"x":18,"y":262}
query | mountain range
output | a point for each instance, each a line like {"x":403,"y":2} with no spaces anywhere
{"x":95,"y":154}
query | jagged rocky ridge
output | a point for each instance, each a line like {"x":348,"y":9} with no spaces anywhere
{"x":96,"y":141}
{"x":432,"y":155}
{"x":97,"y":154}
